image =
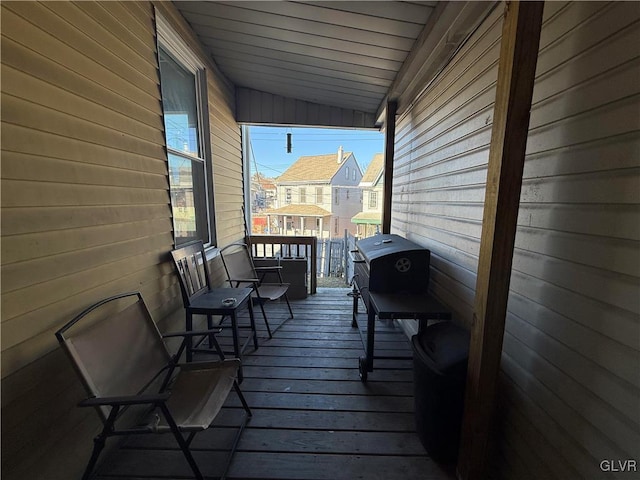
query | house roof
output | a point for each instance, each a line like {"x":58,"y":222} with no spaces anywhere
{"x":267,"y":183}
{"x":299,"y":211}
{"x":313,"y":168}
{"x":373,"y":172}
{"x":372,"y":218}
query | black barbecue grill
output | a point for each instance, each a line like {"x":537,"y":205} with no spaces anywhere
{"x":391,"y":275}
{"x":390,"y":264}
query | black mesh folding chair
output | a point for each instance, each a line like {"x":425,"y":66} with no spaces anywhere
{"x":242,"y":272}
{"x":123,"y":363}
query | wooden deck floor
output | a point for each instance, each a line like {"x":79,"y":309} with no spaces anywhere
{"x":313,"y":419}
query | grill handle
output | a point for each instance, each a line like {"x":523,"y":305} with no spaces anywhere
{"x":356,"y":257}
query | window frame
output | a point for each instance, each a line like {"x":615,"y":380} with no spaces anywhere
{"x":171,"y":42}
{"x":373,"y":199}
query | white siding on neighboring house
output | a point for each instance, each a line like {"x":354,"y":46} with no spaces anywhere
{"x":570,"y":381}
{"x":329,"y":182}
{"x":368,"y":221}
{"x":345,"y":189}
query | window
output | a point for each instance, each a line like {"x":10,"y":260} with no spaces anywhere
{"x":318,"y":194}
{"x":373,"y":199}
{"x":336,"y":196}
{"x":287,"y":196}
{"x":335,"y":226}
{"x":347,"y":173}
{"x":353,"y":175}
{"x":185,"y":123}
{"x":303,"y":195}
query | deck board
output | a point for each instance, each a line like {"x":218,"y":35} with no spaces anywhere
{"x":312,"y":417}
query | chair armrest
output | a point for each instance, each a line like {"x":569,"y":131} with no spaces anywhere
{"x":125,"y":400}
{"x":273,"y":268}
{"x":244,"y":280}
{"x":191,"y":334}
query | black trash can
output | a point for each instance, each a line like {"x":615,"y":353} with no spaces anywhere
{"x":440,"y":354}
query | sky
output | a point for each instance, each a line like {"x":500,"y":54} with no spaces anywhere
{"x":269,"y":152}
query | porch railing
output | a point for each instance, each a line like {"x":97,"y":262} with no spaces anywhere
{"x":285,"y":246}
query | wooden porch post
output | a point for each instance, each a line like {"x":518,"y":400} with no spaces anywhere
{"x":389,"y":144}
{"x":516,"y":74}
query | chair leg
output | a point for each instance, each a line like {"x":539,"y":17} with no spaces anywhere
{"x":236,"y":440}
{"x":285,"y":295}
{"x":189,"y":339}
{"x":245,"y":405}
{"x":210,"y":327}
{"x":98,"y":446}
{"x":288,"y":305}
{"x":237,"y":351}
{"x":252,"y":320}
{"x":213,"y":341}
{"x":264,"y":315}
{"x":99,"y":441}
{"x":182,"y":442}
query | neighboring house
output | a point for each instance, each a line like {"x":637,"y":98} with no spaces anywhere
{"x":263,"y":193}
{"x":368,"y":221}
{"x":263,"y":197}
{"x":318,"y":195}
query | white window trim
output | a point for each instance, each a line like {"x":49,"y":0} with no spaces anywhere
{"x":171,"y":41}
{"x":373,"y":195}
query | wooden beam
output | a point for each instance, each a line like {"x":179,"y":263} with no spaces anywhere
{"x":389,"y":149}
{"x":516,"y":74}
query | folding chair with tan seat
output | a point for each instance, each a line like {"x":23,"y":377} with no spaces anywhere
{"x":123,"y":362}
{"x":241,"y":271}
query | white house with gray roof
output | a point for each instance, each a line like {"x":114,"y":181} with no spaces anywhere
{"x":318,"y":195}
{"x":368,"y":221}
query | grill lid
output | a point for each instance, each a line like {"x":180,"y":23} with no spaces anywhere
{"x":378,"y":246}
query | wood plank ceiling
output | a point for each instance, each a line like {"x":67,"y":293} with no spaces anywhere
{"x":342,"y":54}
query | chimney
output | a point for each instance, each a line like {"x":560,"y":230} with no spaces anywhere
{"x":340,"y":154}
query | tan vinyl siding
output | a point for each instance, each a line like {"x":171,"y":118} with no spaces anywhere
{"x":570,"y":390}
{"x":228,"y":173}
{"x":85,"y":203}
{"x":85,"y":208}
{"x":66,"y":151}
